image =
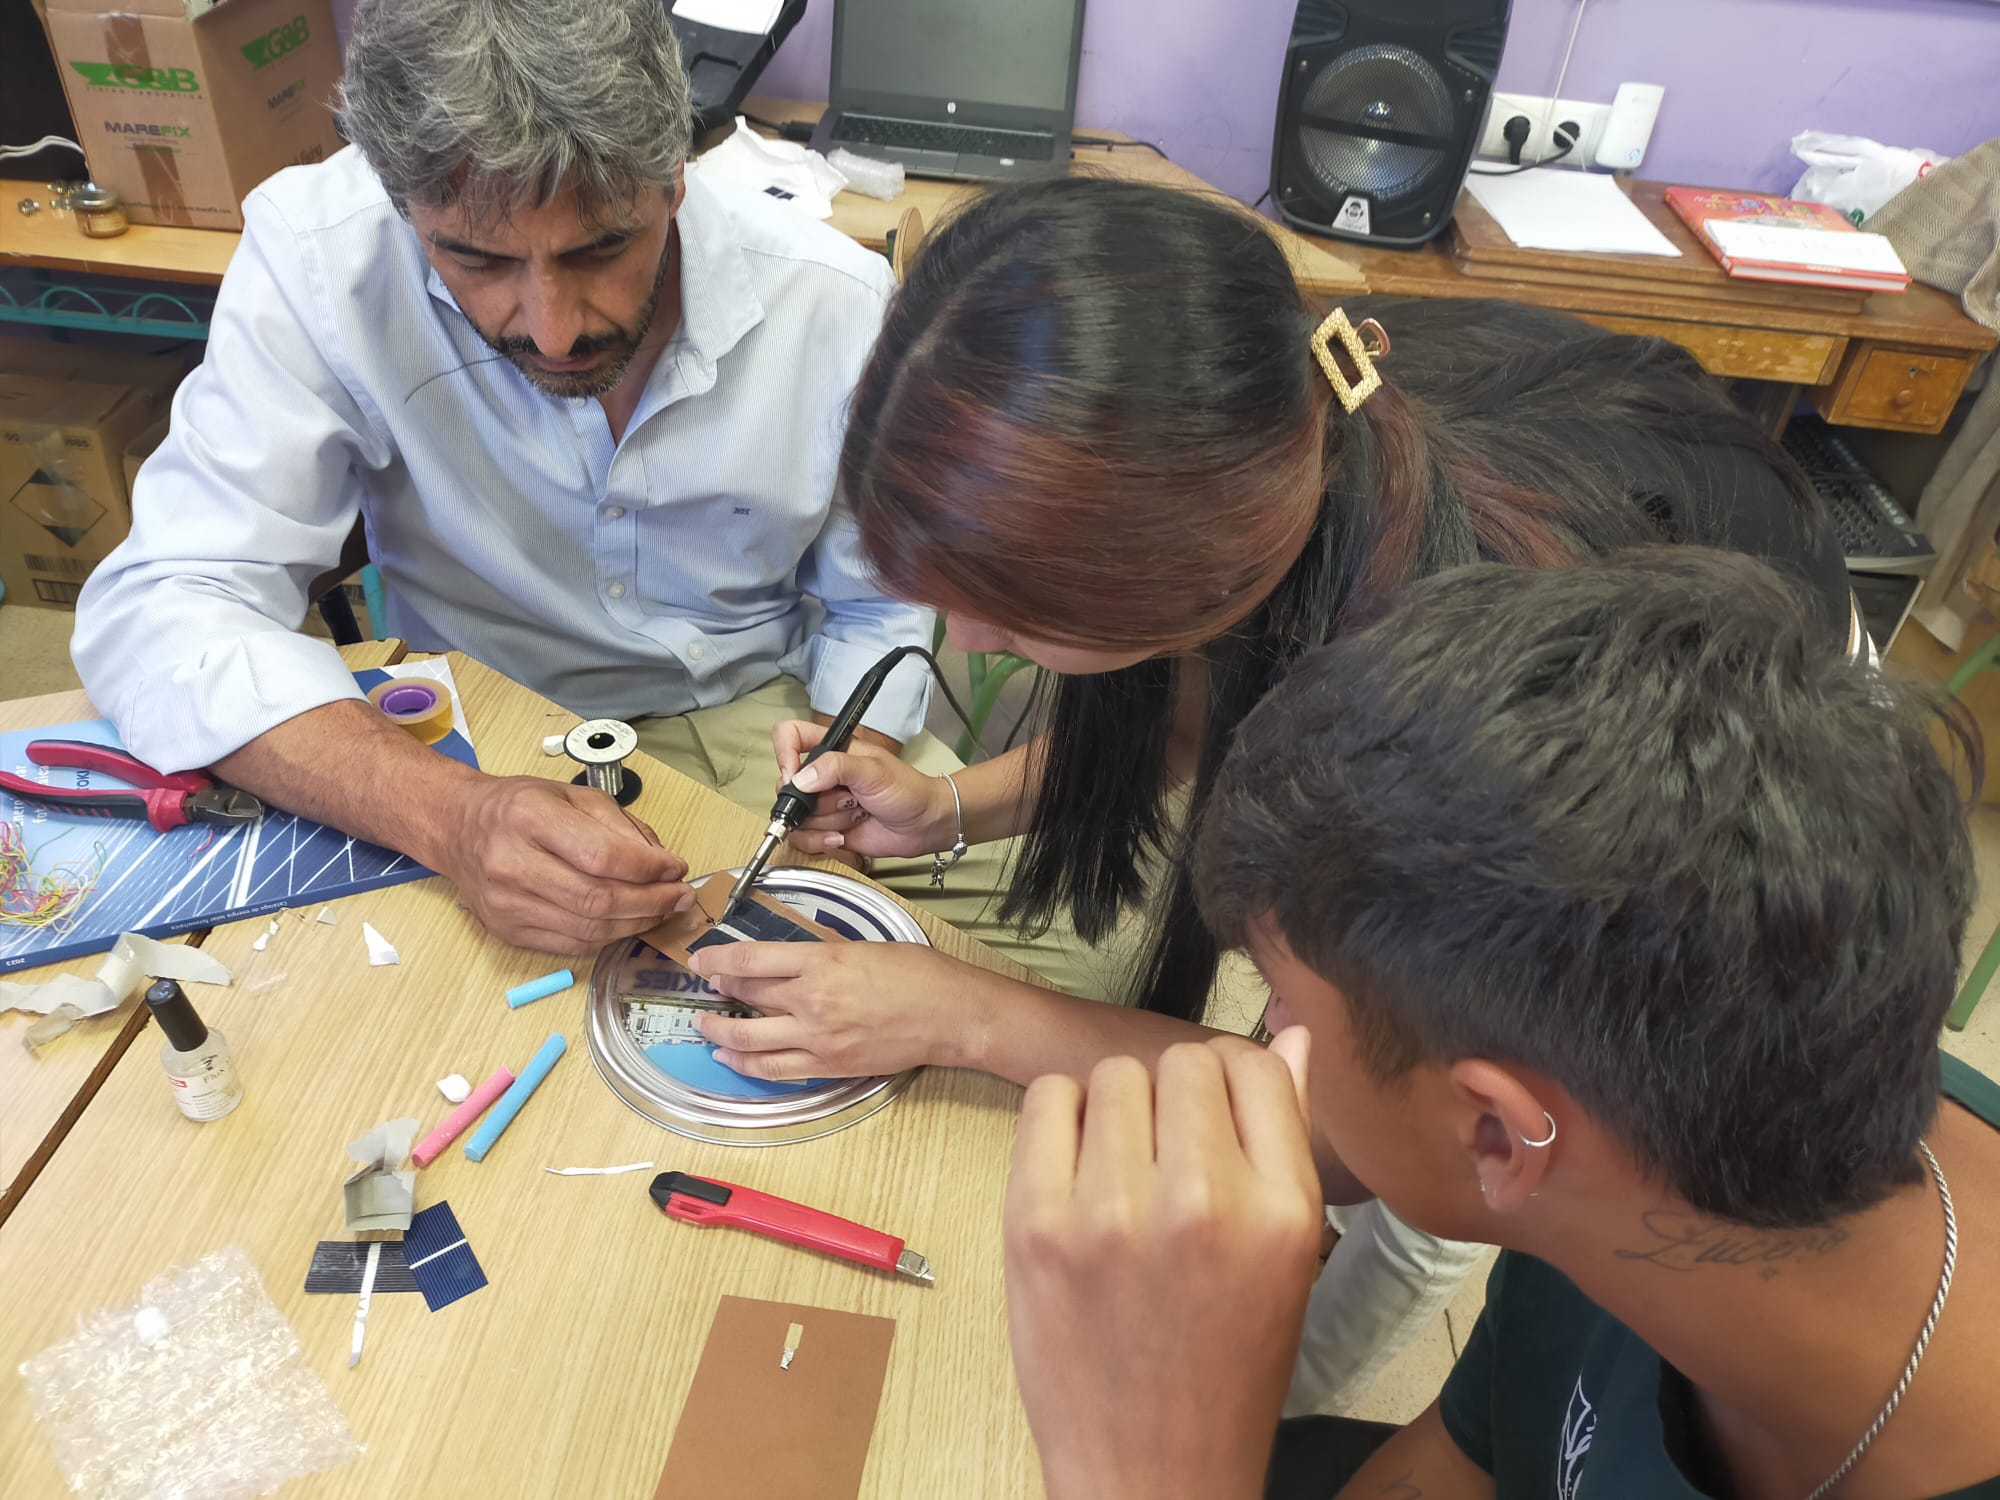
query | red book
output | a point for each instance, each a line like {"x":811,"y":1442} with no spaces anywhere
{"x":1759,"y":237}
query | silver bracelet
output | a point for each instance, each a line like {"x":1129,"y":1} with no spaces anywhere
{"x":939,"y":863}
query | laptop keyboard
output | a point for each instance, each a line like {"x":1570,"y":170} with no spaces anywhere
{"x":922,"y":135}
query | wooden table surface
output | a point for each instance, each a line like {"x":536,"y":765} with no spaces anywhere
{"x":567,"y":1373}
{"x":41,"y":1093}
{"x":1322,"y":269}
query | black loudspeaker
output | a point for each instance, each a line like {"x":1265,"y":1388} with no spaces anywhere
{"x":1380,"y":112}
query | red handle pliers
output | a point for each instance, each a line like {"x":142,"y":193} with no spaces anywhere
{"x":166,"y":800}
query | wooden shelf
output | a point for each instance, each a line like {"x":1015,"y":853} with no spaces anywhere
{"x":49,"y":240}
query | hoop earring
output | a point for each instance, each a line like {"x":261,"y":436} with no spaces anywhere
{"x":1547,"y":1140}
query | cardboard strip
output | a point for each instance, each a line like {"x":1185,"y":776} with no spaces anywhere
{"x":696,"y":927}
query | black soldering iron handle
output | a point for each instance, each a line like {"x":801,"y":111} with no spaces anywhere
{"x":793,"y":806}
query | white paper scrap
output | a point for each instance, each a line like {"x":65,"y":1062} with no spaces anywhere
{"x":1553,"y":209}
{"x":380,"y":949}
{"x":752,"y":17}
{"x":1827,"y":248}
{"x":455,"y":1088}
{"x":630,"y":1166}
{"x":552,"y":744}
{"x":326,"y":918}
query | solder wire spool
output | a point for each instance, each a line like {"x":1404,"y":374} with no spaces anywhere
{"x":601,"y":747}
{"x":637,"y":993}
{"x":422,"y":708}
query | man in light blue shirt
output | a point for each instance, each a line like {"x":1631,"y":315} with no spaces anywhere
{"x":586,"y":406}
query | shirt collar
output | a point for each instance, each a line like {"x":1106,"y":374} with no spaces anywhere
{"x":719,"y":302}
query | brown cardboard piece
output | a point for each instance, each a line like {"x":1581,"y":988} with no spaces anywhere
{"x":184,"y":106}
{"x":673,"y":936}
{"x":139,"y":447}
{"x":753,"y":1431}
{"x":63,"y":501}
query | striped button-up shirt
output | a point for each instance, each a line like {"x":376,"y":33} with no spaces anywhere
{"x":693,"y":560}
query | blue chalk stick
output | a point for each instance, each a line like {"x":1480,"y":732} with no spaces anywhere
{"x":509,"y":1104}
{"x":536,"y":989}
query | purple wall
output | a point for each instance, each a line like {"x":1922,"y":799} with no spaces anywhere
{"x":1201,"y":76}
{"x":1743,"y":76}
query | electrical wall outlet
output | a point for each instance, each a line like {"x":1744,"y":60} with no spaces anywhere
{"x":1542,"y":121}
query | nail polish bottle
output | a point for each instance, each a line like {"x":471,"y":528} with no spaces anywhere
{"x":195,"y":1056}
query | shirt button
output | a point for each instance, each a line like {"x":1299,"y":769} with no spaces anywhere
{"x":613,"y":512}
{"x":616,"y":591}
{"x":697,"y":651}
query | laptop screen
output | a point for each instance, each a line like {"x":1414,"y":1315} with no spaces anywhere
{"x":1008,"y":52}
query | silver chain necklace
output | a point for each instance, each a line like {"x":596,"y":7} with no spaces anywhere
{"x":1923,"y":1339}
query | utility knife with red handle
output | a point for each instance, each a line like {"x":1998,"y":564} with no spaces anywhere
{"x":701,"y":1200}
{"x":167,"y":800}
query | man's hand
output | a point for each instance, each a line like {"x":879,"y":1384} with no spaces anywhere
{"x":556,"y":867}
{"x":1162,"y":1235}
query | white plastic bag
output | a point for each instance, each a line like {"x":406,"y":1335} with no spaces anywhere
{"x":1854,"y":174}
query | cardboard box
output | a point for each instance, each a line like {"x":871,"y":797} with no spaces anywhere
{"x":51,"y":359}
{"x":184,"y":106}
{"x":63,"y":499}
{"x":139,"y":447}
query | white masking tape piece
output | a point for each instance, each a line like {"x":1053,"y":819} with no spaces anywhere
{"x":630,"y":1166}
{"x":133,"y":959}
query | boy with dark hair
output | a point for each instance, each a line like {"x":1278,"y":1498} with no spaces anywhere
{"x":1622,"y":916}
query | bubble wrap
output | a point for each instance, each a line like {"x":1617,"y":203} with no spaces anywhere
{"x":198,"y":1392}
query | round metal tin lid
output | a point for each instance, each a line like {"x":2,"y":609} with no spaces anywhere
{"x":641,"y":1035}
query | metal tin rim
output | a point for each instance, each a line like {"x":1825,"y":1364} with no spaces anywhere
{"x":742,"y":1122}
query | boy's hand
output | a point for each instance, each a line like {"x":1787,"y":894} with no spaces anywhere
{"x":1162,"y":1236}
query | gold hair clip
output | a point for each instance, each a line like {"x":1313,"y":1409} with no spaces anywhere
{"x":1335,"y":325}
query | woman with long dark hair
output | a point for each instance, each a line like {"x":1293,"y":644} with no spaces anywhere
{"x":1102,"y":430}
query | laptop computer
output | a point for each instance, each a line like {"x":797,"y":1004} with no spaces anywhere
{"x":982,"y":89}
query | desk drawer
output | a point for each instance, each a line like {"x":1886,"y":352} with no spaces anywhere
{"x":1895,"y":388}
{"x":1734,"y":353}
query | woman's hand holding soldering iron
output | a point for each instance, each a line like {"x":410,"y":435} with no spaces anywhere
{"x":870,"y":802}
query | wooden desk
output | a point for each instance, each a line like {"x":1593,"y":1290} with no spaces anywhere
{"x":1322,"y":268}
{"x":42,"y":1093}
{"x":1901,"y":362}
{"x":566,"y":1375}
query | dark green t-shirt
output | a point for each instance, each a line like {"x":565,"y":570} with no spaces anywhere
{"x":1558,"y":1400}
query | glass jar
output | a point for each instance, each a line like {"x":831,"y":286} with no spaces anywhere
{"x":100,"y":213}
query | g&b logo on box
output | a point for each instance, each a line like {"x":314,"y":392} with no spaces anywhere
{"x":276,"y":42}
{"x":106,"y":75}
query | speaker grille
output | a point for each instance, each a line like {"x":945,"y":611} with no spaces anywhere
{"x":1382,"y":87}
{"x":1478,"y":47}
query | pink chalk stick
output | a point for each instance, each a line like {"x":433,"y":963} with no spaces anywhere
{"x":454,"y":1123}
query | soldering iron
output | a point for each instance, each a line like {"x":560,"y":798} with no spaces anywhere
{"x":793,"y":806}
